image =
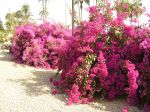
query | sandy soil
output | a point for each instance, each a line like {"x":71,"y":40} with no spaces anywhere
{"x":27,"y":89}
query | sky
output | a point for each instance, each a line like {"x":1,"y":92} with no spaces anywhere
{"x":56,"y":9}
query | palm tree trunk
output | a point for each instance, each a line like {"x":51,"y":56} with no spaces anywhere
{"x":96,"y":2}
{"x":45,"y":10}
{"x":81,"y":9}
{"x":65,"y":12}
{"x":43,"y":17}
{"x":73,"y":12}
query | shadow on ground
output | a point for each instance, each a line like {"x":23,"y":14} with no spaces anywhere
{"x":115,"y":105}
{"x":37,"y":84}
{"x":105,"y":105}
{"x":5,"y":56}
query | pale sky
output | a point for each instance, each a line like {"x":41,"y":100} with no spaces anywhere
{"x":56,"y":9}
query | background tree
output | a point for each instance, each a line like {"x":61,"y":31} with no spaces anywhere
{"x":1,"y":25}
{"x":2,"y":39}
{"x":80,"y":7}
{"x":77,"y":19}
{"x":9,"y":21}
{"x":19,"y":17}
{"x":26,"y":12}
{"x":73,"y":15}
{"x":44,"y":12}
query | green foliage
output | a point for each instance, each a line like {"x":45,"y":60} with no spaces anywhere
{"x":129,"y":7}
{"x":19,"y":17}
{"x":14,"y":19}
{"x":5,"y":36}
{"x":2,"y":37}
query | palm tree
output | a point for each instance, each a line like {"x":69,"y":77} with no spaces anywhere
{"x":65,"y":12}
{"x":9,"y":20}
{"x":8,"y":25}
{"x":44,"y":13}
{"x":18,"y":16}
{"x":25,"y":9}
{"x":46,"y":5}
{"x":25,"y":12}
{"x":96,"y":2}
{"x":73,"y":15}
{"x":8,"y":16}
{"x":80,"y":9}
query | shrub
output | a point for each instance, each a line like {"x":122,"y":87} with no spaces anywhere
{"x":38,"y":45}
{"x":106,"y":58}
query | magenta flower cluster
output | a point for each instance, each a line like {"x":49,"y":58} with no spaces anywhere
{"x":106,"y":58}
{"x":38,"y":45}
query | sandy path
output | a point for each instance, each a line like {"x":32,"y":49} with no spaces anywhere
{"x":26,"y":89}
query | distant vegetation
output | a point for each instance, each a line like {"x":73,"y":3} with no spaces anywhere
{"x":14,"y":19}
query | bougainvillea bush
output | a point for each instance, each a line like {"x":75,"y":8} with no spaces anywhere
{"x":37,"y":45}
{"x":106,"y":58}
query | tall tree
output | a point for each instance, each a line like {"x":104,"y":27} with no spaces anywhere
{"x":18,"y":16}
{"x":77,"y":19}
{"x":25,"y":12}
{"x":9,"y":21}
{"x":73,"y":15}
{"x":44,"y":13}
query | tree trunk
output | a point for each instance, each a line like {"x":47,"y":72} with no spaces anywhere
{"x":45,"y":10}
{"x":96,"y":2}
{"x":43,"y":16}
{"x":73,"y":12}
{"x":81,"y":9}
{"x":65,"y":13}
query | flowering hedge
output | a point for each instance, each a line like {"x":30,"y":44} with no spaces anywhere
{"x":106,"y":58}
{"x":37,"y":45}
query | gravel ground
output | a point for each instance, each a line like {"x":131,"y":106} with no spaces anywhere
{"x":27,"y":89}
